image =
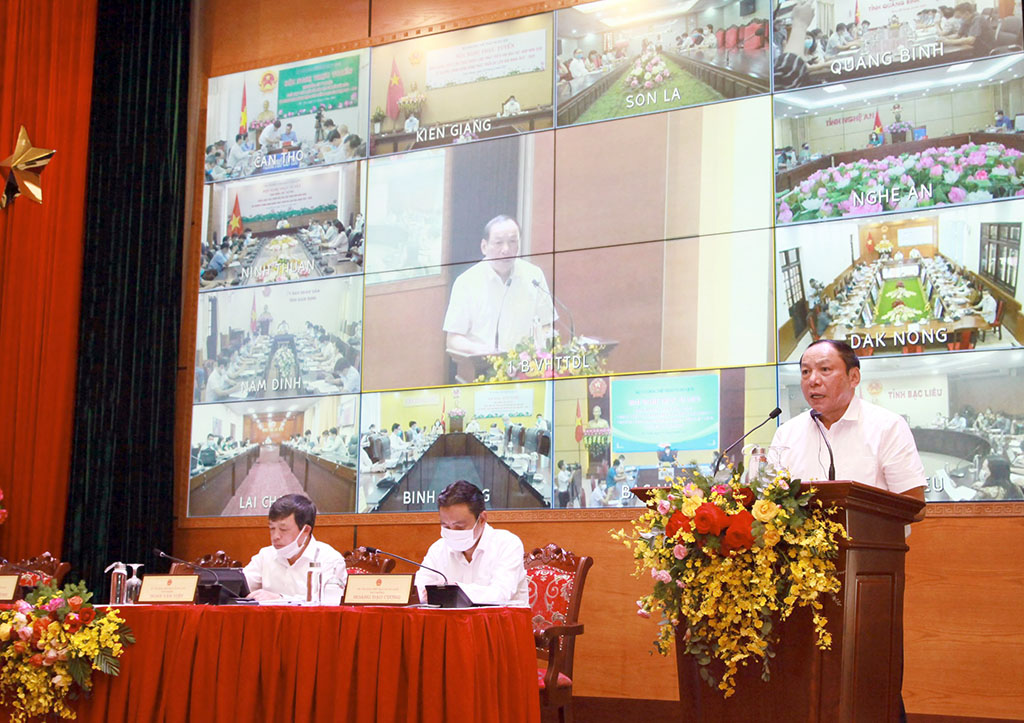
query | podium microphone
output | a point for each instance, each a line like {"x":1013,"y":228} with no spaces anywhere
{"x":374,"y":550}
{"x":816,"y":416}
{"x":572,"y":322}
{"x":718,"y":460}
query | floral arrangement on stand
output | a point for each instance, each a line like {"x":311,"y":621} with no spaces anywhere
{"x":648,"y":71}
{"x":902,"y":313}
{"x":968,"y":174}
{"x":284,"y":363}
{"x":49,"y":645}
{"x":456,"y":413}
{"x":899,"y":127}
{"x":412,"y":103}
{"x":596,"y":440}
{"x":730,"y":562}
{"x":884,"y":247}
{"x":528,"y":361}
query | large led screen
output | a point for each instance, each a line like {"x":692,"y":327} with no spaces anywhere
{"x":564,"y":254}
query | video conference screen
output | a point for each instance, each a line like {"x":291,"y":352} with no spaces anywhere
{"x":575,"y":252}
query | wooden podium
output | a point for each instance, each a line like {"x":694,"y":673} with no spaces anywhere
{"x":860,"y":677}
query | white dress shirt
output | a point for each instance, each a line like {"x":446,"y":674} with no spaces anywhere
{"x":269,"y":572}
{"x":871,"y":445}
{"x":496,"y":574}
{"x":495,"y":312}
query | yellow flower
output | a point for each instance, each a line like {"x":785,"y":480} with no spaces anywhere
{"x":771,"y":536}
{"x":5,"y":631}
{"x":764,"y":510}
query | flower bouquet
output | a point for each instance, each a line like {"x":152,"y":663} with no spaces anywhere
{"x":49,"y":645}
{"x":933,"y":177}
{"x":411,"y":103}
{"x":729,"y":563}
{"x":527,"y":361}
{"x":899,"y":127}
{"x":648,"y":71}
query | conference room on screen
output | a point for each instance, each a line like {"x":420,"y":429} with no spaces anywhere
{"x":296,"y":226}
{"x":616,"y":59}
{"x":287,"y":117}
{"x":901,"y":283}
{"x":939,"y":136}
{"x":963,"y":409}
{"x":244,"y":455}
{"x":283,"y":340}
{"x":850,"y":39}
{"x":483,"y":82}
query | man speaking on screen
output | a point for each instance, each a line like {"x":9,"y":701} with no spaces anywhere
{"x":499,"y":301}
{"x":485,"y":562}
{"x":279,"y":570}
{"x":870,"y":445}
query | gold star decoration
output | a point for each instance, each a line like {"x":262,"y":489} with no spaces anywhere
{"x":21,"y":170}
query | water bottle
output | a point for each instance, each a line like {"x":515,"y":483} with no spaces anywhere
{"x":314,"y":581}
{"x":118,"y":578}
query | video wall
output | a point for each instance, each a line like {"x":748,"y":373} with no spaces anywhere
{"x":570,"y":253}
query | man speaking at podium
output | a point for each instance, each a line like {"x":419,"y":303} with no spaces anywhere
{"x":870,"y":445}
{"x":485,"y":562}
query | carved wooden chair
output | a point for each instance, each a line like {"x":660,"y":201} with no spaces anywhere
{"x":361,"y":562}
{"x":39,"y":570}
{"x":556,"y":578}
{"x":211,"y":559}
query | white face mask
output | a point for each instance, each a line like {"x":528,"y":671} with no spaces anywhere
{"x":459,"y":540}
{"x":292,"y":548}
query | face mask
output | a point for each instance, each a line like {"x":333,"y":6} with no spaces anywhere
{"x":807,"y":44}
{"x":459,"y":540}
{"x":292,"y":548}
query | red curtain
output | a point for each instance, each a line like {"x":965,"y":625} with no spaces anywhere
{"x":46,"y":48}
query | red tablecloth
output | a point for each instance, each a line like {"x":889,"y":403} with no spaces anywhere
{"x":278,"y":664}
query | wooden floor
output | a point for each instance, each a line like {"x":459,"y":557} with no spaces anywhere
{"x":629,"y":710}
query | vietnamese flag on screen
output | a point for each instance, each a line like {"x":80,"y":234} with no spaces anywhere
{"x":878,"y":123}
{"x":444,"y":423}
{"x":235,"y":224}
{"x":395,"y":90}
{"x":253,"y":319}
{"x":579,"y":423}
{"x":243,"y":121}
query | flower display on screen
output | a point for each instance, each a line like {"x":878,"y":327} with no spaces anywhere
{"x":936,"y":176}
{"x":648,"y":71}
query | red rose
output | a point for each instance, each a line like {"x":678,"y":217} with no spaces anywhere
{"x":738,"y":535}
{"x":87,"y":615}
{"x":20,"y":646}
{"x":3,"y":516}
{"x":75,"y":603}
{"x":709,"y":519}
{"x":36,"y":659}
{"x":677,"y":522}
{"x":745,"y":496}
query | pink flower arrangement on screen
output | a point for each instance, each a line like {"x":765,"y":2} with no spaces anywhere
{"x":933,"y":177}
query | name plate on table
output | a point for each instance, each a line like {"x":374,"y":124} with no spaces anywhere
{"x":9,"y":587}
{"x":169,"y":589}
{"x":391,"y":589}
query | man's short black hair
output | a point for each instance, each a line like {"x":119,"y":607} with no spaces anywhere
{"x":462,"y":493}
{"x":846,"y":352}
{"x":333,"y":136}
{"x":299,"y":505}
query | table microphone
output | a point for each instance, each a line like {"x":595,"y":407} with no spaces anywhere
{"x":816,"y":416}
{"x":572,"y":323}
{"x":718,"y":460}
{"x":199,"y":568}
{"x":4,"y":562}
{"x":376,"y":550}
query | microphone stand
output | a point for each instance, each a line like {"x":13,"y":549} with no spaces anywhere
{"x":718,"y":461}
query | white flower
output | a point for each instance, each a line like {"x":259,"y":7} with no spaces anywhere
{"x":811,"y":204}
{"x":975,"y":196}
{"x":950,"y":177}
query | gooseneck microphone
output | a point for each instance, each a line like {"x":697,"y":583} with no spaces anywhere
{"x":572,"y":322}
{"x":816,"y":416}
{"x":718,"y":460}
{"x":198,"y":568}
{"x":374,"y":550}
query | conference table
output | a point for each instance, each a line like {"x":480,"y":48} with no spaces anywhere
{"x":356,"y":664}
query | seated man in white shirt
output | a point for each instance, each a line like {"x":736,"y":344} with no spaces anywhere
{"x":485,"y":562}
{"x":279,"y":570}
{"x":870,"y":444}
